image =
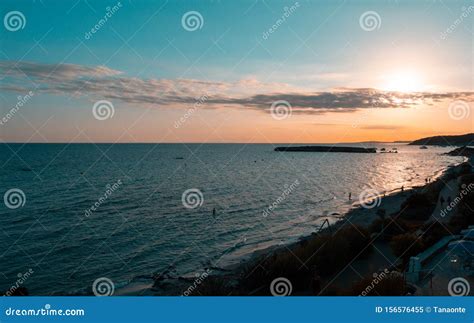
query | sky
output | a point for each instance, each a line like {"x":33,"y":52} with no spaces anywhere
{"x":235,"y":71}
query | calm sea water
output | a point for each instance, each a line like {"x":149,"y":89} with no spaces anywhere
{"x":140,"y":225}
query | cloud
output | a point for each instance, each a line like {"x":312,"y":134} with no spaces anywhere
{"x":54,"y":71}
{"x":382,"y":127}
{"x":365,"y":127}
{"x":101,"y":82}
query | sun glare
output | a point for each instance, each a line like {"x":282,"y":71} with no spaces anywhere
{"x":403,"y":81}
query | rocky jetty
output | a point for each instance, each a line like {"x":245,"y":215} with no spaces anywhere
{"x":327,"y":149}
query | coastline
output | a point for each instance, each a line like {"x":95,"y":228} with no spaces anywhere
{"x":356,"y":216}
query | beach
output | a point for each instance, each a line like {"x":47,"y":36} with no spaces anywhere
{"x":381,"y":261}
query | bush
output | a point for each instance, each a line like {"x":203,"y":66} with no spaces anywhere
{"x":406,"y":245}
{"x":433,"y":232}
{"x":212,"y":286}
{"x":417,"y":207}
{"x":382,"y":285}
{"x":466,"y":205}
{"x":391,"y":227}
{"x":323,"y":255}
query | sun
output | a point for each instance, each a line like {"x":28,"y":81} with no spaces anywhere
{"x":403,"y":81}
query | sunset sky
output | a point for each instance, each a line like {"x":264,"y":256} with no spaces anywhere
{"x":409,"y":76}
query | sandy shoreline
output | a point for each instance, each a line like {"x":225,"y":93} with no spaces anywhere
{"x":358,"y":215}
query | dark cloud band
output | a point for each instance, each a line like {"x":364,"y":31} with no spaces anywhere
{"x":105,"y":83}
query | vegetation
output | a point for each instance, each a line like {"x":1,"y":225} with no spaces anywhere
{"x":383,"y":285}
{"x":406,"y":245}
{"x":417,"y":207}
{"x":323,"y":255}
{"x":213,"y":286}
{"x":390,"y":226}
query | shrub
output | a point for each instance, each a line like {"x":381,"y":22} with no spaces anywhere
{"x":212,"y":286}
{"x":433,"y":232}
{"x":391,"y":227}
{"x":324,"y":255}
{"x":406,"y":245}
{"x":417,"y":207}
{"x":466,"y":204}
{"x":383,"y":285}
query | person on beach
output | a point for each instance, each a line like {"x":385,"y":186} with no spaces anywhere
{"x":214,"y":212}
{"x":350,"y":196}
{"x":403,"y":188}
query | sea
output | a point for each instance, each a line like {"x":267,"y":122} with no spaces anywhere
{"x":73,"y":213}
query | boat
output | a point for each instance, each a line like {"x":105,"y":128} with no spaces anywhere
{"x":423,"y":147}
